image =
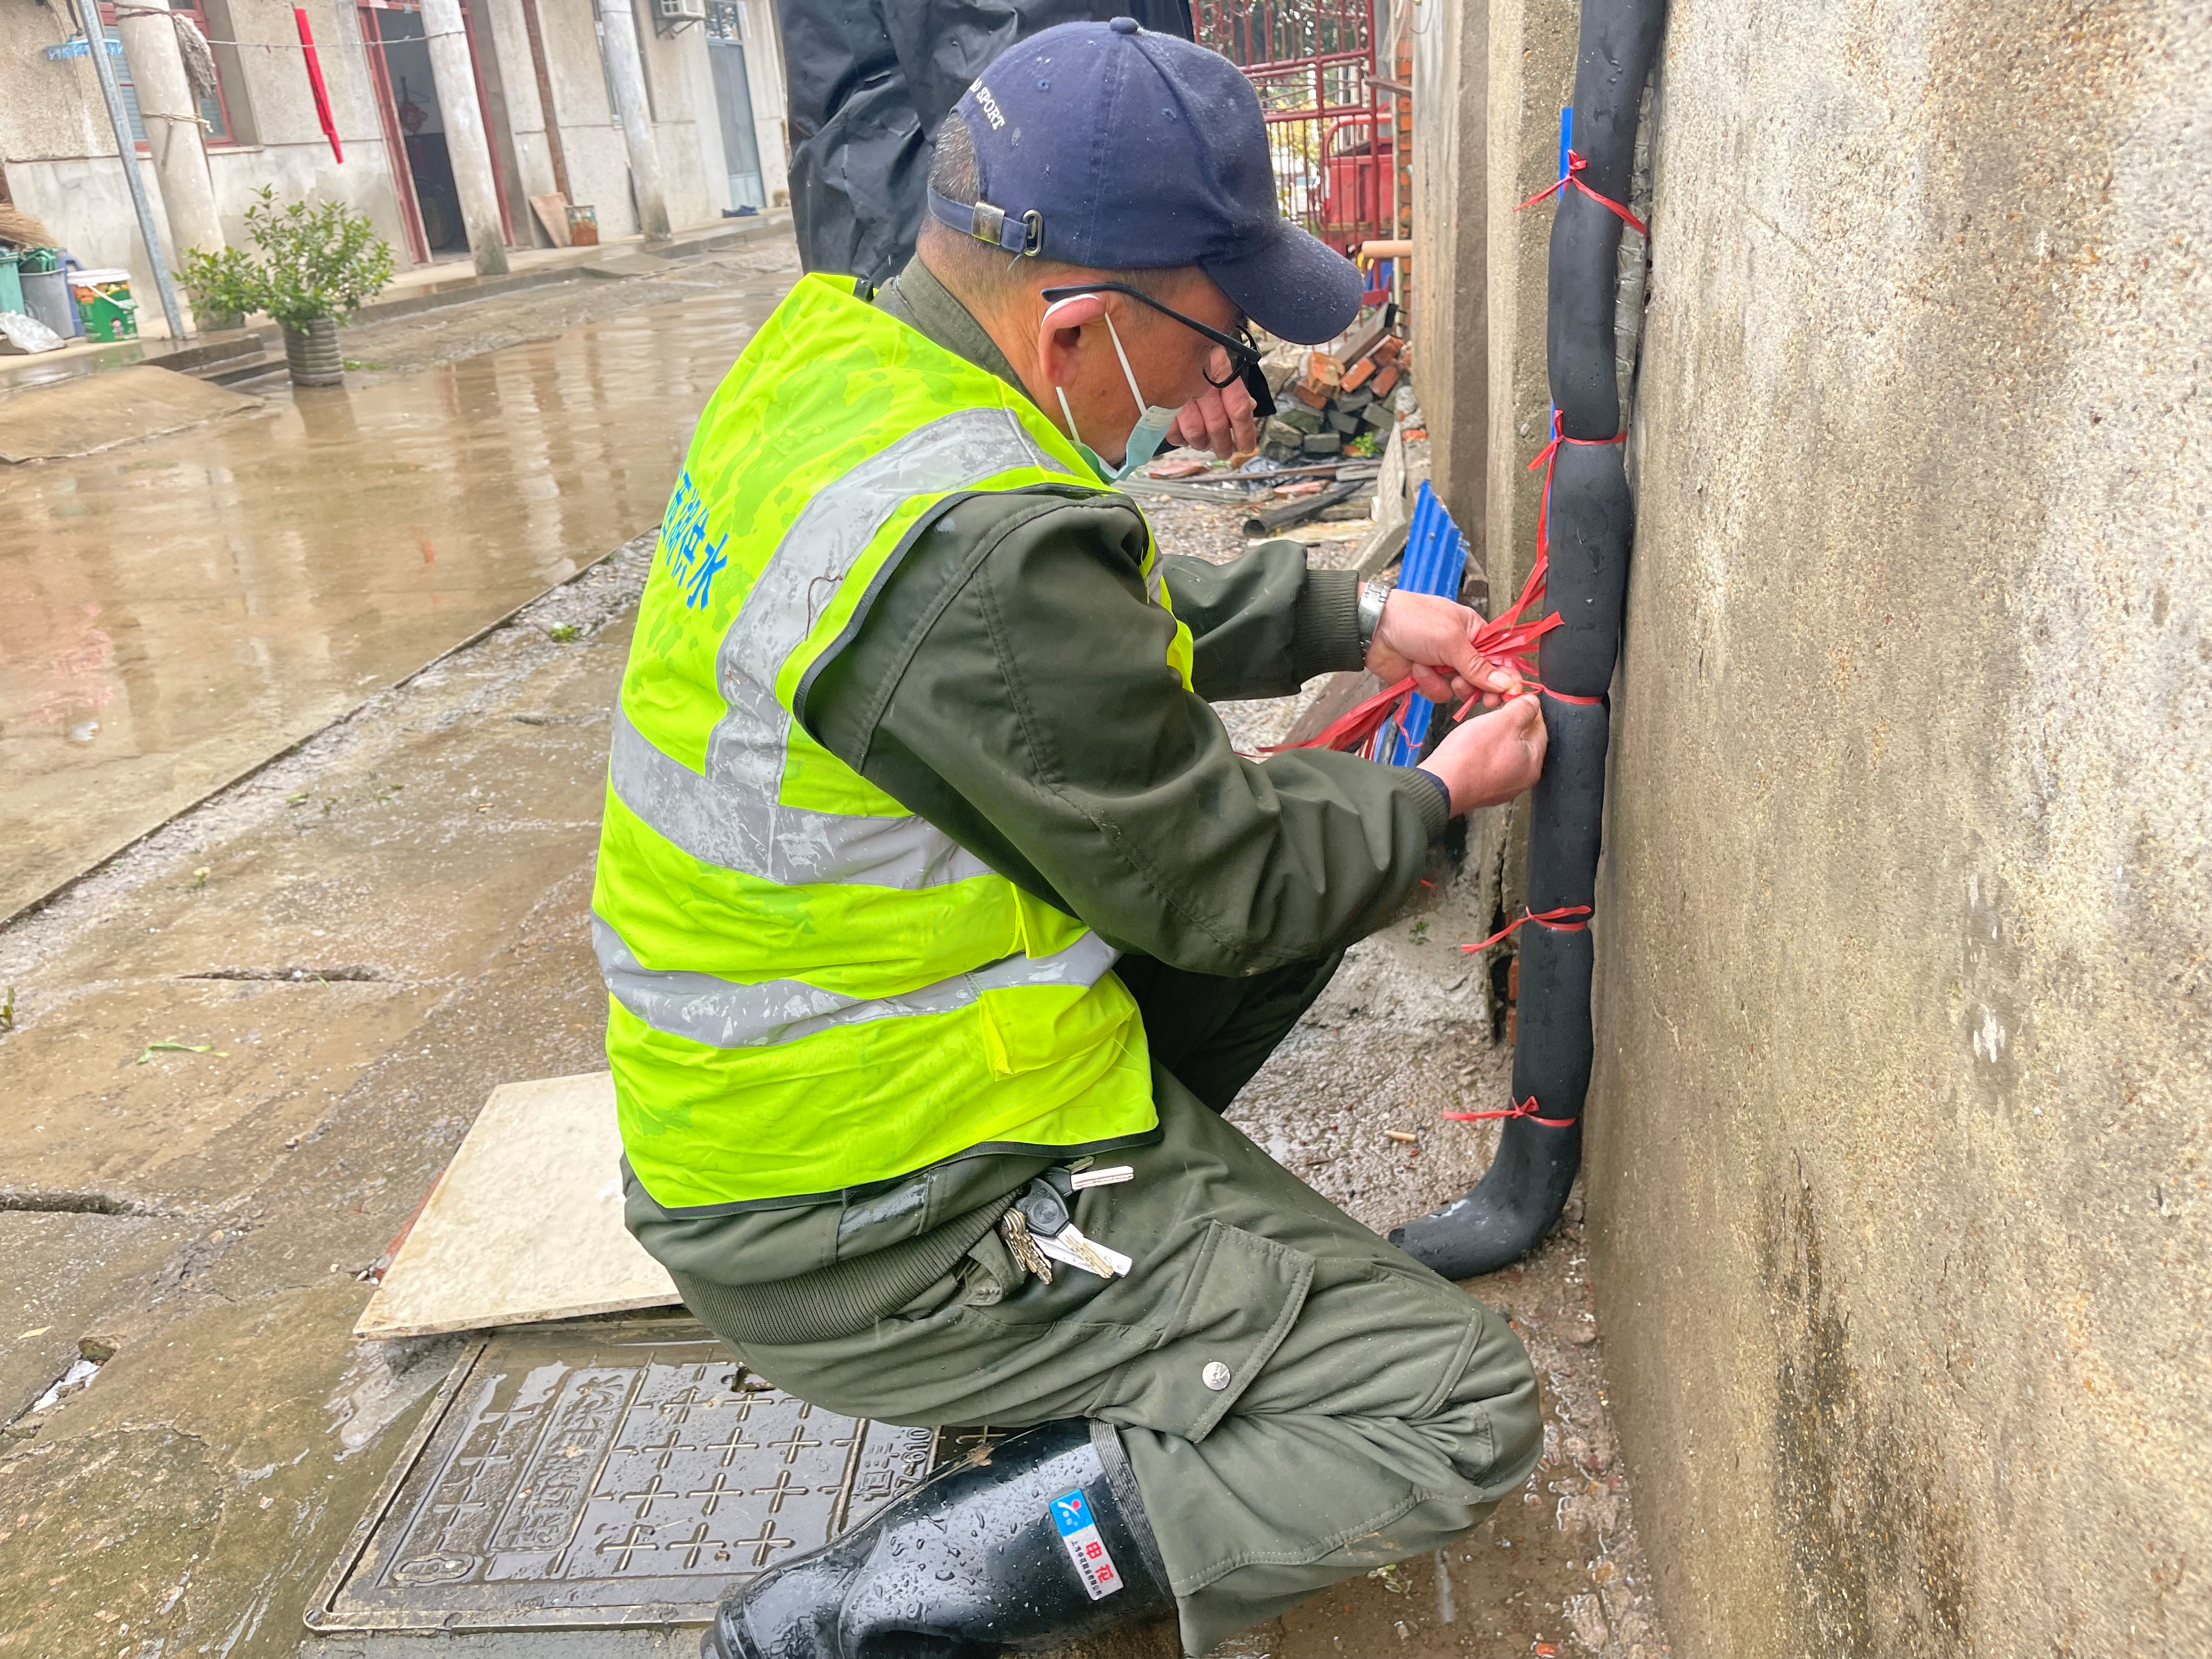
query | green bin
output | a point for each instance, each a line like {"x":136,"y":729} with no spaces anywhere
{"x":11,"y":285}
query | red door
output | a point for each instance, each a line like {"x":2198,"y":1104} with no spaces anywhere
{"x":1313,"y":64}
{"x":395,"y":142}
{"x":396,"y":136}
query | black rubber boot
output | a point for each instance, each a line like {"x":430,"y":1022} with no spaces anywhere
{"x":1509,"y":1210}
{"x":980,"y":1559}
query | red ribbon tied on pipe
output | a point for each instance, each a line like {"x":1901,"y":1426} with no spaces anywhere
{"x":1557,"y":920}
{"x":1507,"y":641}
{"x":1521,"y":1108}
{"x":315,"y":81}
{"x":1574,"y":176}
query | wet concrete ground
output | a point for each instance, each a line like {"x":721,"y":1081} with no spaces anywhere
{"x":242,"y":1053}
{"x":180,"y":609}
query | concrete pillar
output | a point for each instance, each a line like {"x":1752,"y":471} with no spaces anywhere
{"x":171,"y":118}
{"x":626,"y":71}
{"x":1451,"y":252}
{"x":467,"y":146}
{"x":1532,"y":75}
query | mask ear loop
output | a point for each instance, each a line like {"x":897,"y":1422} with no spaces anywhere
{"x":1128,"y":374}
{"x":1067,"y":413}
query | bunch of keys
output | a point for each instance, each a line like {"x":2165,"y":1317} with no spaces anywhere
{"x":1040,"y":1229}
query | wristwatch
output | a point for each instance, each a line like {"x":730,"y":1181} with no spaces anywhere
{"x":1371,"y":598}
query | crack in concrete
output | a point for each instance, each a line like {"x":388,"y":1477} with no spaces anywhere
{"x":353,"y":972}
{"x":33,"y":1200}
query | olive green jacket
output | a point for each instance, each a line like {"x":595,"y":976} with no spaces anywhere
{"x":1003,"y":684}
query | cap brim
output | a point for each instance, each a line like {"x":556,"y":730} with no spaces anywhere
{"x":1291,"y":284}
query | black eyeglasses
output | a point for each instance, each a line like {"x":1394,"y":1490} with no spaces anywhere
{"x":1244,"y":351}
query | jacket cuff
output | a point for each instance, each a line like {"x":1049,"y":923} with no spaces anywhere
{"x":1430,"y":795}
{"x":1325,"y":623}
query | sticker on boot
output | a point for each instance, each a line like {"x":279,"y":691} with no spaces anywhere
{"x":1093,"y":1564}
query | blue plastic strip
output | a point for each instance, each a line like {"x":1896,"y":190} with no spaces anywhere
{"x":1434,"y":563}
{"x":1566,"y":136}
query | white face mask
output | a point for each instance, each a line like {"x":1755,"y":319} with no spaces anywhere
{"x":1145,"y":437}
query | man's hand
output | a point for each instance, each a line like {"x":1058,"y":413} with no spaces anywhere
{"x":1431,"y":639}
{"x":1493,"y":757}
{"x":1220,"y":421}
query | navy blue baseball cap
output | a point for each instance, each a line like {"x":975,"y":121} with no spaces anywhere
{"x":1111,"y":146}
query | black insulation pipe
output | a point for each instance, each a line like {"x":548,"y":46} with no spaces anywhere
{"x":1590,"y":522}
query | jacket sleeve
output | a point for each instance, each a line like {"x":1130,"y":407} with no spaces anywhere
{"x":1010,"y":684}
{"x":1264,"y":625}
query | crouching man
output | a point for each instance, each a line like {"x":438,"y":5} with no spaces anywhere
{"x":941,"y":921}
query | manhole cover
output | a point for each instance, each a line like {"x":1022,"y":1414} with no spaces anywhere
{"x":593,"y":1475}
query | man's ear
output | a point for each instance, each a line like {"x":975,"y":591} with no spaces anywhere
{"x":1060,"y":335}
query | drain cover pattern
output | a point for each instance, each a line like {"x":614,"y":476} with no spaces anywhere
{"x":604,"y":1474}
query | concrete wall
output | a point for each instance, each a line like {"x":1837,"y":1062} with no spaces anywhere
{"x":763,"y":41}
{"x":1451,"y":288}
{"x":1901,"y":1236}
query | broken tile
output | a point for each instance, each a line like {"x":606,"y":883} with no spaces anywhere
{"x":525,"y":1224}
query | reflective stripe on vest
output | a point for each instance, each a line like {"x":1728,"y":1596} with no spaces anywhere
{"x":810,"y":987}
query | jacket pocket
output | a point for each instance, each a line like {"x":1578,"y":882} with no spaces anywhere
{"x":1027,"y":1028}
{"x":1241,"y":1294}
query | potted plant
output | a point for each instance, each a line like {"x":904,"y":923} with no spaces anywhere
{"x":223,"y":286}
{"x":320,"y":263}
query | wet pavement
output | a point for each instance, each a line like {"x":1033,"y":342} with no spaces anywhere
{"x":181,"y":609}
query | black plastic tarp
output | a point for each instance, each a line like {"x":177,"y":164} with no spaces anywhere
{"x":868,"y":82}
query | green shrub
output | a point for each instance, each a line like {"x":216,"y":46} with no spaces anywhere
{"x":318,"y":259}
{"x":224,"y":284}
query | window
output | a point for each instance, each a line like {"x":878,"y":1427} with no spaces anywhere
{"x":214,"y":112}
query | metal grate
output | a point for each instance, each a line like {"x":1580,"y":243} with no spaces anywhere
{"x":603,"y":1473}
{"x":1331,"y":133}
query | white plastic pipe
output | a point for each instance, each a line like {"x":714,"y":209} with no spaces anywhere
{"x":96,"y":41}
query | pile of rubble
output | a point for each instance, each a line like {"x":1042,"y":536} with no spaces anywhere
{"x":1342,"y":403}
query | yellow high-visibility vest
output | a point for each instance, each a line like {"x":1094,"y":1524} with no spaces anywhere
{"x":810,"y":987}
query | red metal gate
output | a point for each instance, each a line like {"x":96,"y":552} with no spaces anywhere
{"x":1330,"y":127}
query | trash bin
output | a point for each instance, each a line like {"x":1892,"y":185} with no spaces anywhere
{"x":11,"y":285}
{"x":104,"y":297}
{"x":46,"y":297}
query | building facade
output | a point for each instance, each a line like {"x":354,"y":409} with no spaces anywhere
{"x":544,"y":81}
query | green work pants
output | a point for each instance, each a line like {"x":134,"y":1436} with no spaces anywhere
{"x":1299,"y":1400}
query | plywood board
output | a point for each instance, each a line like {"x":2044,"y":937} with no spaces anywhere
{"x":526,"y":1224}
{"x":87,"y":413}
{"x":552,"y":211}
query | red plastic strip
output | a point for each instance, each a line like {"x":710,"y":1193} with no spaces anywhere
{"x":1547,"y":458}
{"x":1574,"y":176}
{"x":315,"y":83}
{"x":1521,"y":1108}
{"x":1555,"y":920}
{"x":1355,"y":727}
{"x":1505,"y":641}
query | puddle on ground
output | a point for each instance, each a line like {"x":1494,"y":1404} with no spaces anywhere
{"x":181,"y":609}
